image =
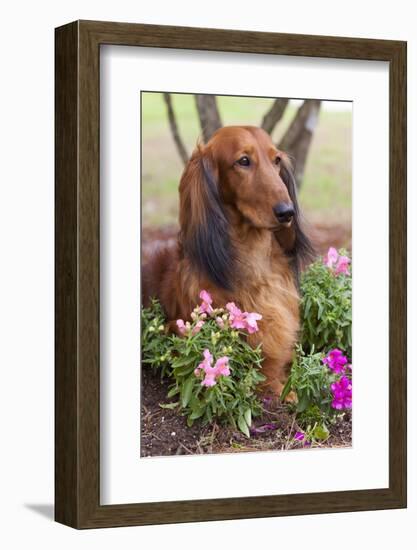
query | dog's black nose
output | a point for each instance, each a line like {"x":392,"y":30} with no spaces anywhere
{"x":283,"y":212}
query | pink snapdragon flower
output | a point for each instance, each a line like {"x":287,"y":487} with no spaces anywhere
{"x":243,"y":320}
{"x":221,"y":368}
{"x":335,"y":262}
{"x":197,"y":327}
{"x":207,"y":300}
{"x":251,"y":324}
{"x":342,"y":266}
{"x":342,"y":393}
{"x":336,"y":361}
{"x":331,"y":257}
{"x":181,"y":326}
{"x":237,"y":318}
{"x":185,"y":328}
{"x":220,"y":322}
{"x":206,"y":363}
{"x":209,"y":380}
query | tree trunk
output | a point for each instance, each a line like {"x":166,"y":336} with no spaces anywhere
{"x":274,"y":115}
{"x":208,"y":114}
{"x":297,"y":139}
{"x":174,"y":129}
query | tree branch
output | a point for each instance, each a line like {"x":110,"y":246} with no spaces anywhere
{"x":208,"y":114}
{"x":274,"y":115}
{"x":174,"y":129}
{"x":306,"y":112}
{"x":297,"y":139}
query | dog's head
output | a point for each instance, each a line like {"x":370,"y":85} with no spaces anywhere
{"x":238,"y":175}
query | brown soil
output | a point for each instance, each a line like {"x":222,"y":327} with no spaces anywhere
{"x":165,"y":432}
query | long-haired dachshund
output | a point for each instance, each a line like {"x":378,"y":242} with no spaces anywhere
{"x":240,"y":238}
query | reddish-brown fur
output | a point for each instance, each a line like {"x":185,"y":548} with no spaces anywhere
{"x":231,"y":244}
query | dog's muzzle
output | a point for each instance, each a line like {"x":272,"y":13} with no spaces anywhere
{"x":284,"y":212}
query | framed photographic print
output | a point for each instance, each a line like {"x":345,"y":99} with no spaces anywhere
{"x":230,"y":274}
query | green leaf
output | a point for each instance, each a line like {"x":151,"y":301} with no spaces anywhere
{"x":307,"y":307}
{"x":180,"y":362}
{"x":243,"y":427}
{"x":168,"y":405}
{"x":286,"y":389}
{"x":198,"y":413}
{"x":320,"y":310}
{"x":321,"y":432}
{"x":186,"y":391}
{"x":302,"y":402}
{"x":173,"y":391}
{"x":248,"y":417}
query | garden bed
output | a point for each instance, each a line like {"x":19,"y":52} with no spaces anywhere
{"x":182,"y":413}
{"x":164,"y":432}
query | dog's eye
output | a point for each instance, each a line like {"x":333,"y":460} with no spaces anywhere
{"x":244,"y":161}
{"x":277,"y":160}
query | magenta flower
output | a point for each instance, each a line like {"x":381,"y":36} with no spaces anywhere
{"x":335,"y":360}
{"x":207,"y":300}
{"x":331,"y":257}
{"x":299,"y":436}
{"x":342,"y":393}
{"x":181,"y":326}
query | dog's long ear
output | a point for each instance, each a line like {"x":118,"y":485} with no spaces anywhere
{"x":204,"y":233}
{"x":299,"y":248}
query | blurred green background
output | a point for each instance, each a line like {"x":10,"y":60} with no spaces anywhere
{"x":326,"y":192}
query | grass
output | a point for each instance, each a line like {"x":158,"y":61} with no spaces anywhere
{"x":326,"y":191}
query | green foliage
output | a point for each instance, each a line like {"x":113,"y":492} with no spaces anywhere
{"x":232,"y":400}
{"x":317,"y":432}
{"x":311,"y":380}
{"x":326,"y":324}
{"x":326,"y":309}
{"x":156,"y":344}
